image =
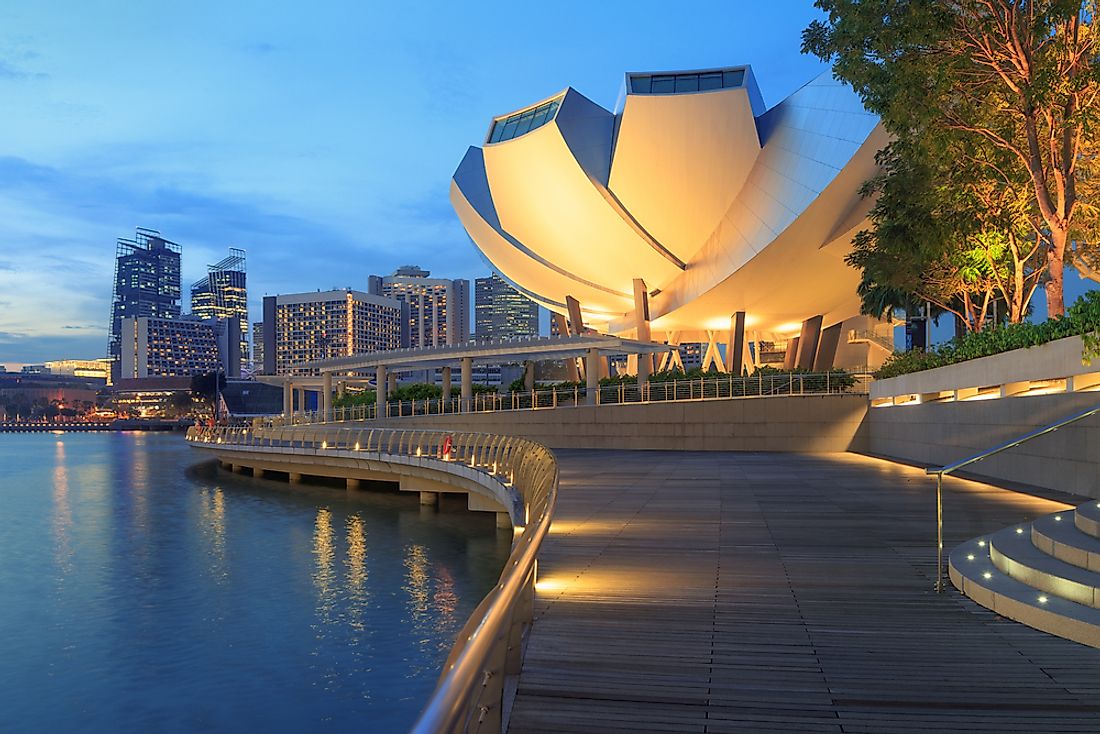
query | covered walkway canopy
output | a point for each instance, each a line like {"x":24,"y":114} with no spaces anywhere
{"x":536,"y":349}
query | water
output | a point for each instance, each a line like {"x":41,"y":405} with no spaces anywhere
{"x":144,"y":590}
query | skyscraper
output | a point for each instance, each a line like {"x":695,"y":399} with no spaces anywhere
{"x":180,"y":347}
{"x":303,"y":327}
{"x":147,"y":284}
{"x":223,"y":294}
{"x":439,"y":309}
{"x":502,"y":312}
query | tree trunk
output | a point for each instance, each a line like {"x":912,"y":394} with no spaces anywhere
{"x":1056,"y":270}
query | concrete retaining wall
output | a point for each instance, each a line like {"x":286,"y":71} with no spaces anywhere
{"x":939,"y":433}
{"x":791,"y":423}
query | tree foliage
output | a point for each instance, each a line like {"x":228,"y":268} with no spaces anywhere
{"x":997,"y":100}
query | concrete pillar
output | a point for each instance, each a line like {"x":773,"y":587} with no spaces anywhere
{"x":326,"y":396}
{"x":340,"y":388}
{"x":529,"y":375}
{"x":429,"y":499}
{"x":570,"y":364}
{"x":295,"y":478}
{"x":735,"y":347}
{"x":380,"y":389}
{"x":301,"y":391}
{"x":352,"y":483}
{"x":826,"y":348}
{"x":288,"y":398}
{"x":392,"y":382}
{"x":258,"y":472}
{"x":236,"y":468}
{"x":467,"y":382}
{"x":592,"y":373}
{"x":576,"y":328}
{"x":807,"y":343}
{"x":790,"y":357}
{"x":504,"y":521}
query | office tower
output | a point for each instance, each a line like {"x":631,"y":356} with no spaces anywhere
{"x":303,"y":327}
{"x":258,"y":347}
{"x":223,"y":294}
{"x":180,"y":347}
{"x":502,"y":312}
{"x":439,"y":309}
{"x":147,"y":284}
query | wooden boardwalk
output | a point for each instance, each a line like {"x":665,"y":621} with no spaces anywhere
{"x":734,"y":592}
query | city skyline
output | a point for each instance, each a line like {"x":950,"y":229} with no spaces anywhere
{"x":257,"y":143}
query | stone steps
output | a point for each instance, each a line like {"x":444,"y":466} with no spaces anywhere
{"x":1045,"y":574}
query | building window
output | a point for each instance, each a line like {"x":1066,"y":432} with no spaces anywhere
{"x":523,"y":122}
{"x":683,"y":83}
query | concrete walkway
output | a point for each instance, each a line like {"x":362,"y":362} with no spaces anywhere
{"x":721,"y":592}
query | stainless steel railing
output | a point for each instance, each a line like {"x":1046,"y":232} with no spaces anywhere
{"x":470,"y":694}
{"x":943,"y":471}
{"x":718,"y":388}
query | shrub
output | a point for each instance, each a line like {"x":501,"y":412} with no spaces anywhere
{"x":1081,"y":319}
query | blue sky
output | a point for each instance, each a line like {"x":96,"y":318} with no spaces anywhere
{"x":320,"y":136}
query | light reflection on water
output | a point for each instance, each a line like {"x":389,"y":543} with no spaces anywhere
{"x":140,"y":596}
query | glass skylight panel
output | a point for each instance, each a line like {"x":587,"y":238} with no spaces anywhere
{"x":687,"y":82}
{"x":523,"y":122}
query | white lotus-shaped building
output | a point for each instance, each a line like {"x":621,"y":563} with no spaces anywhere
{"x":716,"y":204}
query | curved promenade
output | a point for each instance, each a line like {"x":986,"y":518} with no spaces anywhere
{"x":513,"y":476}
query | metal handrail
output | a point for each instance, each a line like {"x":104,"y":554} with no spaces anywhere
{"x":726,"y":387}
{"x":943,"y":471}
{"x":470,"y":694}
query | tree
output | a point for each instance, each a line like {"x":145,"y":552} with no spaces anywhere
{"x":1012,"y":83}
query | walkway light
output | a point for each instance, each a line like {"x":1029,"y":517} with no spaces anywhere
{"x":970,"y":556}
{"x":1042,"y":600}
{"x":987,"y":575}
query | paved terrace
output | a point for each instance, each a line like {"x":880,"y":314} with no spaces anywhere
{"x":720,"y":592}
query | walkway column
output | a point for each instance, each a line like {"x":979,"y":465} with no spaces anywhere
{"x":326,"y":396}
{"x":592,"y":374}
{"x":529,"y":375}
{"x":826,"y":349}
{"x":467,"y":382}
{"x":288,"y":398}
{"x":393,"y":382}
{"x":445,"y":388}
{"x":563,"y":330}
{"x":380,"y":391}
{"x":301,"y":399}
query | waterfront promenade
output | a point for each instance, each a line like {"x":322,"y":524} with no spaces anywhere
{"x":711,"y":592}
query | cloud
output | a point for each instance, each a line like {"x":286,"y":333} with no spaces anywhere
{"x":261,"y":48}
{"x":11,"y":71}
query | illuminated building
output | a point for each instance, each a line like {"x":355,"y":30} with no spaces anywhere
{"x":690,"y":213}
{"x":258,"y":346}
{"x":304,"y":327}
{"x":147,"y":284}
{"x":439,"y":309}
{"x":94,"y":368}
{"x":223,"y":294}
{"x":180,"y":347}
{"x":502,"y":312}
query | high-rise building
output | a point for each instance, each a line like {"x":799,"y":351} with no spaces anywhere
{"x":303,"y":327}
{"x":180,"y":347}
{"x":223,"y":294}
{"x":502,"y":312}
{"x":439,"y":309}
{"x":258,"y":347}
{"x":147,"y":284}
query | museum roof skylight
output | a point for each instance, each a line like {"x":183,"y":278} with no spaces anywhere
{"x":524,"y":121}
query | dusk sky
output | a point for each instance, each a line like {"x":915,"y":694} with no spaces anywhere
{"x":320,"y":137}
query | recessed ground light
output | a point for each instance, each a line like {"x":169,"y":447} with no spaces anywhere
{"x":987,"y":575}
{"x":1019,"y":531}
{"x":1058,"y":518}
{"x":970,"y":556}
{"x":1042,"y":600}
{"x":981,"y":543}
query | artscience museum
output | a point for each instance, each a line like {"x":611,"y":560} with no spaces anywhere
{"x":689,"y":213}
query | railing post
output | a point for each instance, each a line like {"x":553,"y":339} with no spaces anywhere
{"x":939,"y":532}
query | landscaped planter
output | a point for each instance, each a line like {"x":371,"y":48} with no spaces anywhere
{"x":1056,"y":360}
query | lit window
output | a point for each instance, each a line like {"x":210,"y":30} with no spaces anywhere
{"x":520,"y":123}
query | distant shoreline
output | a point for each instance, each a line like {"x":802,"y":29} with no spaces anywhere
{"x":80,"y":427}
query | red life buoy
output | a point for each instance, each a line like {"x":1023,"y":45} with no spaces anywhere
{"x":446,"y":450}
